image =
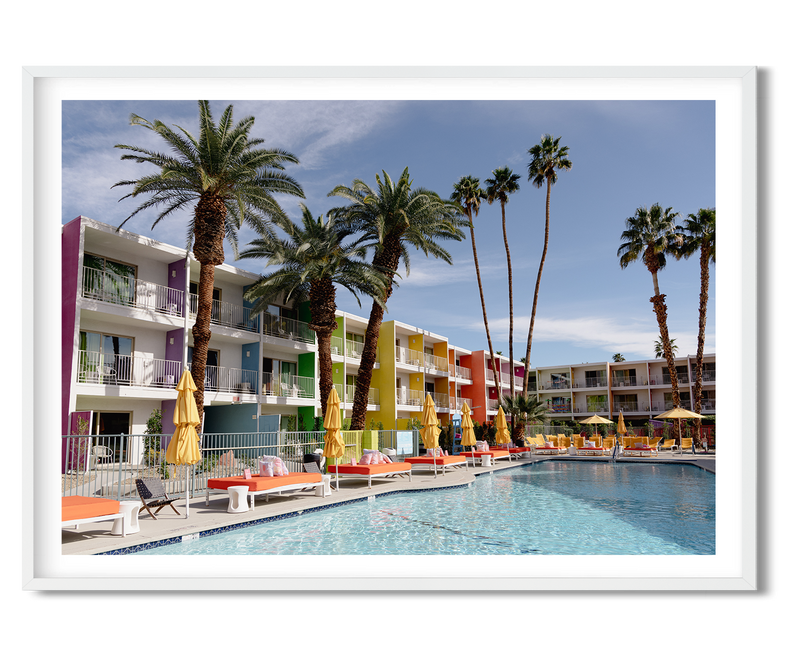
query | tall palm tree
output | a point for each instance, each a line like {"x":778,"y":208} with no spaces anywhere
{"x":524,"y":409}
{"x":311,"y":261}
{"x":498,"y":188}
{"x":232,"y":182}
{"x":547,"y":158}
{"x":389,"y":219}
{"x":468,"y":194}
{"x":650,"y":236}
{"x":699,"y":234}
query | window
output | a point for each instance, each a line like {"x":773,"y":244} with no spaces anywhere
{"x":595,"y":378}
{"x":681,"y":371}
{"x":597,"y":403}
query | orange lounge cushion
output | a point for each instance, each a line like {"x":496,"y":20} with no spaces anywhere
{"x":493,"y":453}
{"x":641,"y":450}
{"x":74,"y":508}
{"x":547,"y":448}
{"x":440,"y":461}
{"x":258,"y":483}
{"x":369,"y":469}
{"x":520,"y":449}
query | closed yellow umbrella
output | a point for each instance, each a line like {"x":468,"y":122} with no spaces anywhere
{"x":430,"y":424}
{"x":334,"y":446}
{"x":503,"y":435}
{"x":621,"y":429}
{"x":184,"y":447}
{"x":467,"y":429}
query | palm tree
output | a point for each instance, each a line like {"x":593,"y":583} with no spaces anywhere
{"x":312,"y":260}
{"x":699,"y":233}
{"x":468,"y":194}
{"x":618,"y":357}
{"x":523,"y":409}
{"x":232,"y":182}
{"x":658,"y":347}
{"x":650,"y":235}
{"x":547,"y":158}
{"x":389,"y":219}
{"x":498,"y":188}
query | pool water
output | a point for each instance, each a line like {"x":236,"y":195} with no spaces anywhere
{"x":551,"y":508}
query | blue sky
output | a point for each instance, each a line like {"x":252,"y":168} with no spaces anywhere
{"x":625,"y":154}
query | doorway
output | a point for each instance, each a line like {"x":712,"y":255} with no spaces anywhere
{"x":113,"y":424}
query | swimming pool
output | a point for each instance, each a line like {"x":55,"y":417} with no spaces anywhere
{"x":549,"y":508}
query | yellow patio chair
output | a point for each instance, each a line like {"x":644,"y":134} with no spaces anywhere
{"x":564,"y":441}
{"x":668,"y":444}
{"x":579,"y":441}
{"x":686,"y":444}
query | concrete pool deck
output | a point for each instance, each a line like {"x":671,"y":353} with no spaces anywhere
{"x":95,"y":538}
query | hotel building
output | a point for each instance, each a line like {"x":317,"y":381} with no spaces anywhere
{"x":129,"y":302}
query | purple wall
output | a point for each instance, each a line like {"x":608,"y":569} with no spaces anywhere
{"x":174,"y":351}
{"x":179,"y":281}
{"x":70,"y":256}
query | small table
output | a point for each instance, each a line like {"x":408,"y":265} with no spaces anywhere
{"x":237,"y":499}
{"x":486,"y":460}
{"x":325,"y":488}
{"x":130,"y":509}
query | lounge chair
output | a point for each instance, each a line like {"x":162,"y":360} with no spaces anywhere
{"x":640,"y":448}
{"x":77,"y":510}
{"x":686,"y":444}
{"x":262,"y":486}
{"x":668,"y":444}
{"x":434,"y":463}
{"x":370,"y":471}
{"x":495,"y":453}
{"x":591,"y":450}
{"x":153,"y":494}
{"x":542,"y":447}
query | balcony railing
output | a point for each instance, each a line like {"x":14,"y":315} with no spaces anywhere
{"x":337,"y":346}
{"x":130,"y":292}
{"x":408,"y":356}
{"x":129,"y":370}
{"x":505,"y":378}
{"x":591,"y":408}
{"x":629,"y":381}
{"x":441,"y":400}
{"x":410,"y":397}
{"x":458,"y":402}
{"x":559,"y":408}
{"x":436,"y":364}
{"x":708,"y":376}
{"x":460,"y":372}
{"x":288,"y":386}
{"x":227,"y":314}
{"x":629,"y":406}
{"x":683,"y":378}
{"x":348,"y":393}
{"x":140,"y":371}
{"x":288,"y":328}
{"x":590,"y":383}
{"x":555,"y":384}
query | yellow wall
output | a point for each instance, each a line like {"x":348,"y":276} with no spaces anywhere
{"x":383,"y":379}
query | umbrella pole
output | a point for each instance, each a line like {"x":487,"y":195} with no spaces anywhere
{"x":187,"y":491}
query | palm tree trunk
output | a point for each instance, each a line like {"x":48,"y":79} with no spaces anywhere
{"x":209,"y":235}
{"x":510,"y":308}
{"x":483,"y":307}
{"x":387,"y":258}
{"x":536,"y":290}
{"x":701,"y":338}
{"x":322,"y":298}
{"x":660,"y":309}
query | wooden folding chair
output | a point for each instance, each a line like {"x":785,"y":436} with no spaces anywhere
{"x":153,"y":494}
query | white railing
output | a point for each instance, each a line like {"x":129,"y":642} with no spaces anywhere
{"x":337,"y":346}
{"x":436,"y":364}
{"x":555,"y":384}
{"x":591,"y":408}
{"x":288,"y":386}
{"x":410,"y":397}
{"x":354,"y":350}
{"x":288,"y":328}
{"x":408,"y":356}
{"x":626,"y":406}
{"x":519,"y":382}
{"x":373,"y":396}
{"x":458,"y":402}
{"x":227,"y":314}
{"x":441,"y":400}
{"x":233,"y":380}
{"x":130,"y":292}
{"x":460,"y":372}
{"x":590,"y":383}
{"x":665,"y":379}
{"x":130,"y":370}
{"x":629,"y":381}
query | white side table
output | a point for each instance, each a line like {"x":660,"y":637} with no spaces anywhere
{"x":486,"y":460}
{"x":131,"y":511}
{"x":237,"y":499}
{"x":325,"y":489}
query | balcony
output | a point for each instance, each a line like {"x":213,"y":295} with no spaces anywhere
{"x":559,"y":408}
{"x":441,"y":401}
{"x":226,"y":314}
{"x":130,"y":292}
{"x":411,"y":397}
{"x":458,"y":402}
{"x":460,"y":373}
{"x":555,"y":384}
{"x":288,"y":328}
{"x":665,"y":379}
{"x":591,"y":408}
{"x":436,"y":365}
{"x":408,"y":357}
{"x":288,"y":386}
{"x":590,"y":383}
{"x":348,"y":393}
{"x":627,"y":406}
{"x":140,"y":371}
{"x":505,"y":378}
{"x":630,"y":381}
